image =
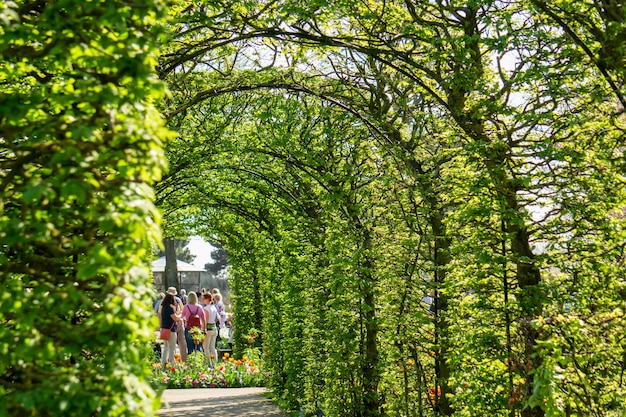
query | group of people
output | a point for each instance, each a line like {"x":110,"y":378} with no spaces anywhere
{"x":204,"y":309}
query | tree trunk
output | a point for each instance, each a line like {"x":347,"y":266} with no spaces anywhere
{"x":371,"y":376}
{"x":496,"y":156}
{"x":528,"y":275}
{"x":441,"y":259}
{"x":531,"y":302}
{"x":442,"y":333}
{"x":171,"y":269}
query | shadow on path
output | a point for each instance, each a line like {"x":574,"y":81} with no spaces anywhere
{"x":225,"y":402}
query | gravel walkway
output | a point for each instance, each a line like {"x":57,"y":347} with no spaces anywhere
{"x":223,"y":402}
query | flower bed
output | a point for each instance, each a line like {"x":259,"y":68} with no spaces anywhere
{"x":227,"y":373}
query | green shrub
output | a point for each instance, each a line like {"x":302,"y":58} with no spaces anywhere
{"x":81,"y":143}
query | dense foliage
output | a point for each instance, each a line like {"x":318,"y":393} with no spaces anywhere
{"x":423,"y":202}
{"x":80,"y":144}
{"x":356,"y":157}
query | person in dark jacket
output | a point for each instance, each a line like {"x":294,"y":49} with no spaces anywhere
{"x":169,"y":320}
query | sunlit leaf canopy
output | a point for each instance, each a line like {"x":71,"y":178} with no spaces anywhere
{"x":423,"y":202}
{"x":357,"y":157}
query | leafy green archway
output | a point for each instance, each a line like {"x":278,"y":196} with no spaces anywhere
{"x":355,"y":158}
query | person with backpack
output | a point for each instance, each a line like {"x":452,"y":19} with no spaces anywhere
{"x":193,"y":315}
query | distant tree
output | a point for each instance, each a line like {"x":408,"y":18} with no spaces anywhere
{"x":181,"y":248}
{"x":171,"y":267}
{"x":220,"y":260}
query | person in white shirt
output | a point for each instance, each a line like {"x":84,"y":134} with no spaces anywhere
{"x":210,"y":314}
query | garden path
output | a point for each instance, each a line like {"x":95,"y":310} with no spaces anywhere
{"x":225,"y":402}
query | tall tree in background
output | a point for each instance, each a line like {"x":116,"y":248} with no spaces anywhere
{"x":171,"y":266}
{"x":220,"y":260}
{"x":181,"y":247}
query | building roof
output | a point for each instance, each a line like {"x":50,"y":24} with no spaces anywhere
{"x":159,"y":266}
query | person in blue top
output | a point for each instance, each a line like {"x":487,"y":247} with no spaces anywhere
{"x":157,"y":303}
{"x":169,"y":320}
